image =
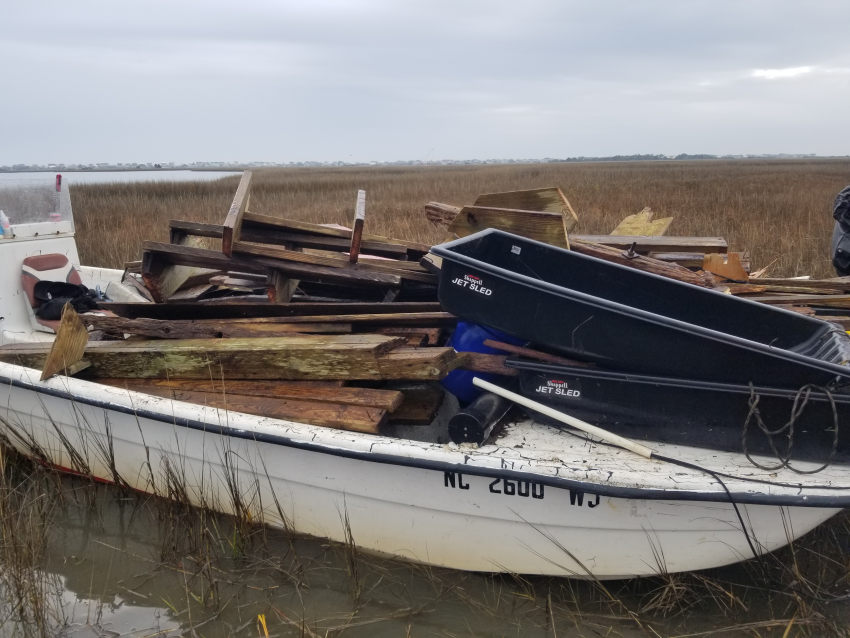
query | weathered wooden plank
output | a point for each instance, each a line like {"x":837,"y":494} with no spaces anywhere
{"x":233,"y":222}
{"x":338,"y":416}
{"x":530,"y":353}
{"x":550,"y":200}
{"x":156,"y":252}
{"x":291,"y":357}
{"x":69,"y":345}
{"x":826,"y":301}
{"x":281,"y":238}
{"x":414,"y":336}
{"x":841,"y":284}
{"x":420,"y":405}
{"x":417,"y":363}
{"x":642,"y":224}
{"x":695,"y":260}
{"x":255,"y":311}
{"x":386,"y":267}
{"x":432,"y":264}
{"x":545,"y":227}
{"x":415,"y":250}
{"x":647,"y":264}
{"x":216,"y":329}
{"x":317,"y":391}
{"x":357,"y":227}
{"x":658,"y":244}
{"x":755,"y":286}
{"x":486,"y":363}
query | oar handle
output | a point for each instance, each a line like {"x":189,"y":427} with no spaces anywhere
{"x":606,"y":436}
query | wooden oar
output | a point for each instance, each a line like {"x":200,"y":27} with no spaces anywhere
{"x":606,"y":436}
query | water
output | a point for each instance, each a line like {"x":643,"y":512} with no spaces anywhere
{"x":105,"y":177}
{"x":124,"y":564}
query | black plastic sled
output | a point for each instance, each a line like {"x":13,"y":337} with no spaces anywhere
{"x":694,"y":413}
{"x":626,"y":319}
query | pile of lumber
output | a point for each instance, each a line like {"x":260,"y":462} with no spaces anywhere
{"x":335,"y":327}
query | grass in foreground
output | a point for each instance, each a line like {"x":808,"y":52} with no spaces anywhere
{"x":214,"y":575}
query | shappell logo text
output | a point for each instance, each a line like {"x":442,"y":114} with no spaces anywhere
{"x":558,"y":388}
{"x":476,"y":284}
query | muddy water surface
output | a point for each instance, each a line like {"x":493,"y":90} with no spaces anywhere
{"x":129,"y":565}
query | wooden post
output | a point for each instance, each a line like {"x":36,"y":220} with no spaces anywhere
{"x":233,"y":221}
{"x":357,"y":232}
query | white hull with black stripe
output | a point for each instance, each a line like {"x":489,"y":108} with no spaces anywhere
{"x":538,"y":500}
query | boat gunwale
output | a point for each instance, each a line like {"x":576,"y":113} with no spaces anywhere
{"x":798,"y":499}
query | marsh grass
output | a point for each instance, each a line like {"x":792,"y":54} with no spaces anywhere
{"x":780,"y":211}
{"x":165,"y":551}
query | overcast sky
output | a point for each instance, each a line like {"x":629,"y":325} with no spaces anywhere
{"x":248,"y":80}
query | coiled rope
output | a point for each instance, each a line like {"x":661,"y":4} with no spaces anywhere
{"x":801,"y":400}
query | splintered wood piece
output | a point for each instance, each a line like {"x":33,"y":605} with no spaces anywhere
{"x":487,"y":363}
{"x":191,"y":294}
{"x":419,"y":406}
{"x":414,"y":336}
{"x":730,"y":268}
{"x":319,"y":392}
{"x":156,"y":254}
{"x":263,"y":222}
{"x":535,"y":354}
{"x":280,"y":287}
{"x":441,"y":214}
{"x":646,"y":264}
{"x":233,"y":221}
{"x":417,"y":363}
{"x":741,"y":289}
{"x":215,"y":329}
{"x":68,"y":347}
{"x":164,"y":278}
{"x":642,"y":224}
{"x":546,"y":227}
{"x":290,"y":357}
{"x":254,"y":311}
{"x":549,"y":200}
{"x":357,"y":229}
{"x":133,"y":283}
{"x":337,"y":416}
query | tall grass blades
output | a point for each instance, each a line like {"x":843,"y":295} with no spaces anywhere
{"x":778,"y":210}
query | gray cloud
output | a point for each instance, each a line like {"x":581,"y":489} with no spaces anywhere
{"x":331,"y":79}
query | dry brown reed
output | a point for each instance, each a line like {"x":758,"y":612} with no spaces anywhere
{"x":778,"y":210}
{"x":30,"y":597}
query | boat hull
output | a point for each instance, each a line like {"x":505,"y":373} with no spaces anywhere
{"x":429,"y":514}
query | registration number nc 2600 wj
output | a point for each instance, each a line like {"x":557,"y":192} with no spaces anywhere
{"x":510,"y":487}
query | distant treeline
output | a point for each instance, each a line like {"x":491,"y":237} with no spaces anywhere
{"x":683,"y":156}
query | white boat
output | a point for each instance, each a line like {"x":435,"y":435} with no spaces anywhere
{"x":536,"y":499}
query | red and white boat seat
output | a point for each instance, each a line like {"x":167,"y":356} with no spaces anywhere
{"x":50,"y":267}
